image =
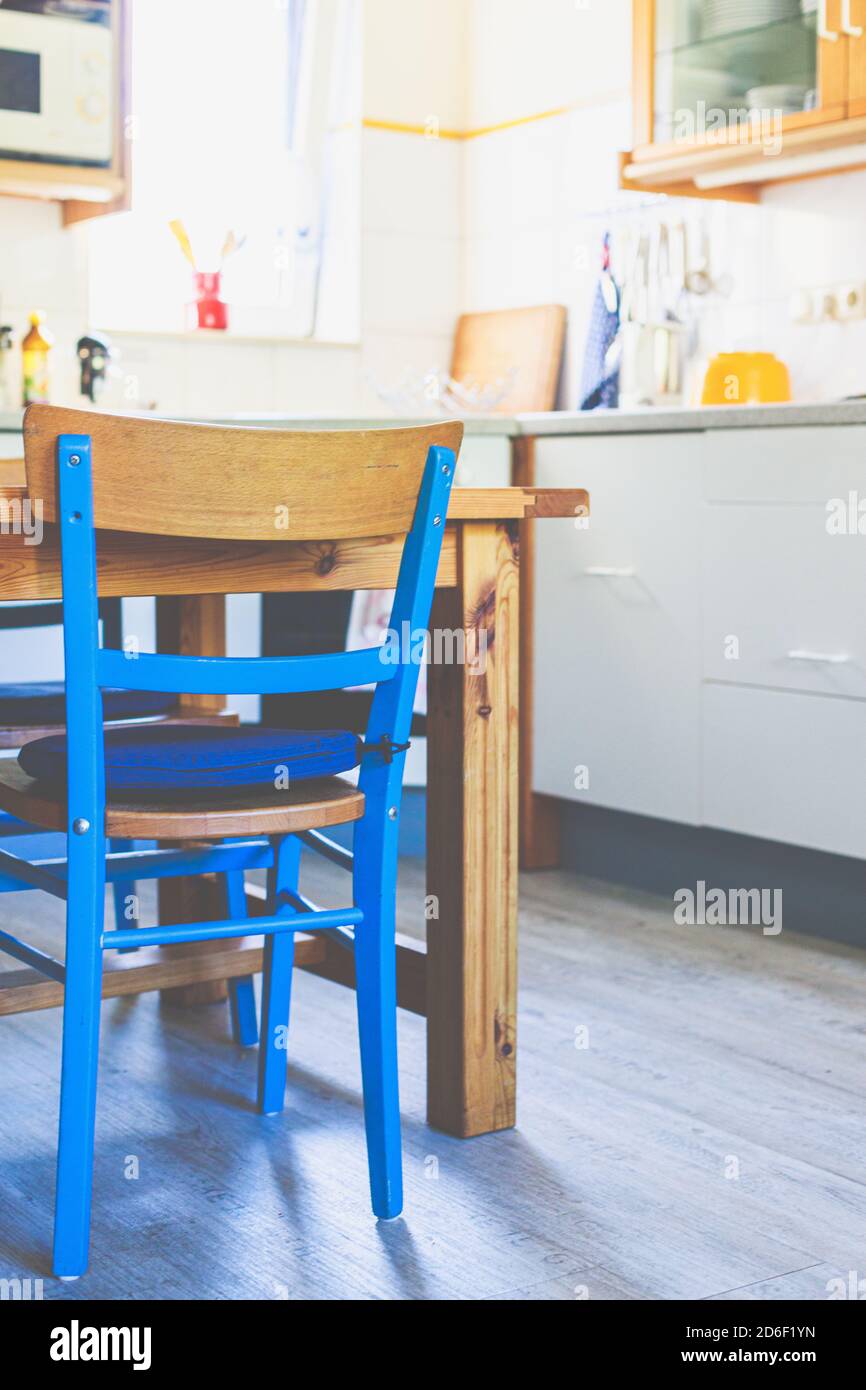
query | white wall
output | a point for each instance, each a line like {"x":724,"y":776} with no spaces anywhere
{"x":532,"y":190}
{"x":415,"y":78}
{"x":410,"y":255}
{"x":802,"y":235}
{"x":43,"y":267}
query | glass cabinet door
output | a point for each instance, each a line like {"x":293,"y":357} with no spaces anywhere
{"x":728,"y":70}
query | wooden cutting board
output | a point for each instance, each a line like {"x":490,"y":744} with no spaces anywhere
{"x":527,"y":343}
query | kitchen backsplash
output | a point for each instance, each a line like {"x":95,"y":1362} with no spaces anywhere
{"x":523,"y":214}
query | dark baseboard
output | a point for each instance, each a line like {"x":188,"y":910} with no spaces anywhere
{"x":823,"y":894}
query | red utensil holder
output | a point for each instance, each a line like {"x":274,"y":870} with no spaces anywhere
{"x":208,"y":309}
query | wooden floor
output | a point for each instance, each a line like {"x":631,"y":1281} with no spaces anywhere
{"x":707,"y":1143}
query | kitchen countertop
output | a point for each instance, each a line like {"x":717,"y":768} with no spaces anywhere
{"x":567,"y":422}
{"x":701,"y":418}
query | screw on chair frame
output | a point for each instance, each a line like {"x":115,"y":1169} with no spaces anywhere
{"x":367,"y":926}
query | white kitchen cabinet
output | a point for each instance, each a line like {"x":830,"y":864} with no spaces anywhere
{"x":783,"y":599}
{"x":701,"y":649}
{"x":786,"y":767}
{"x":795,"y":466}
{"x":618,"y":652}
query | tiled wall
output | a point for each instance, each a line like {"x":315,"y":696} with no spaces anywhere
{"x":803,"y":235}
{"x":534,"y":191}
{"x":537,"y":197}
{"x":415,"y":76}
{"x":43,"y":267}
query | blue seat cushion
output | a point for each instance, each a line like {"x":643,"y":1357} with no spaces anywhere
{"x":174,"y":759}
{"x":44,"y":702}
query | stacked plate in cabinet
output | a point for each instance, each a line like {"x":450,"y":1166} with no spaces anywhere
{"x":727,"y":16}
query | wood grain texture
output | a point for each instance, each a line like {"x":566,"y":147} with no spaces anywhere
{"x":643,"y":71}
{"x":857,"y":62}
{"x":466,"y":504}
{"x":194,"y":626}
{"x":538,"y":815}
{"x":520,"y":346}
{"x":262,"y":811}
{"x":150,"y":968}
{"x":673,"y":166}
{"x":165,"y":478}
{"x":472,"y":845}
{"x":834,"y":94}
{"x":132,"y":566}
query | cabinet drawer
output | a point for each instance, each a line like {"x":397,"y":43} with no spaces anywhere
{"x":785,"y":767}
{"x":784,"y":600}
{"x":793,"y":466}
{"x":617,"y":665}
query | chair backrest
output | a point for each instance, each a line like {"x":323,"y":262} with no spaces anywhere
{"x":82,"y":473}
{"x":166,"y":478}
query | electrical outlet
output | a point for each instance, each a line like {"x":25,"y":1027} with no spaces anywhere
{"x":851,"y":301}
{"x":842,"y":303}
{"x":827,"y":305}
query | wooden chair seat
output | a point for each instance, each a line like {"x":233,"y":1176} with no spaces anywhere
{"x":308,"y":805}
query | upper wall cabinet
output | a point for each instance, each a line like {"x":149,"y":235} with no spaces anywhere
{"x":64,"y":93}
{"x":730,"y":95}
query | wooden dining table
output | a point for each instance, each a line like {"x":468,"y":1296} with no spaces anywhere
{"x":464,"y":981}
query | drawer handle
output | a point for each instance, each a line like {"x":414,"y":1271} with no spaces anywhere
{"x":854,"y":31}
{"x":824,"y":31}
{"x":821,"y":658}
{"x":609,"y":572}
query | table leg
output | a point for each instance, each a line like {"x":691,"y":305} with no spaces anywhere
{"x":472,"y":725}
{"x":539,"y":815}
{"x":194,"y":626}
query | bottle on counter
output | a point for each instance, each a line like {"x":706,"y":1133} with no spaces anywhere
{"x":7,"y":402}
{"x":35,"y":356}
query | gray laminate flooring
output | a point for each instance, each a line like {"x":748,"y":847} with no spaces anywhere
{"x":692,"y":1117}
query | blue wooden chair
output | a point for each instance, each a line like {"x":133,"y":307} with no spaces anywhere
{"x":34,"y":709}
{"x":252,"y":792}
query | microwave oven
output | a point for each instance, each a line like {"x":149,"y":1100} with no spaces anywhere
{"x":56,"y":88}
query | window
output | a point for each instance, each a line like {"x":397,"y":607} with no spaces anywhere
{"x":245,"y":118}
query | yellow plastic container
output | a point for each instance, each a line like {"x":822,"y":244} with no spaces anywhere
{"x":746,"y":378}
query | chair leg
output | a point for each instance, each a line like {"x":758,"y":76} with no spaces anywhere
{"x":376,"y":981}
{"x":85,"y":912}
{"x":242,"y":994}
{"x":120,"y":892}
{"x":277,"y":980}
